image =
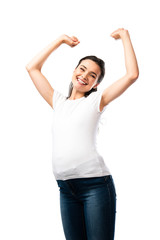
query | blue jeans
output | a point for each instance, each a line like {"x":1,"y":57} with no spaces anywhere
{"x":88,"y":208}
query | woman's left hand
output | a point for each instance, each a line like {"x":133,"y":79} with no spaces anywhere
{"x":119,"y":33}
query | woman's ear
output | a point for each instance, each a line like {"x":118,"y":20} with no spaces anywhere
{"x":95,"y":86}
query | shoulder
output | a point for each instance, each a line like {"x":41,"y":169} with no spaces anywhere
{"x":57,"y":98}
{"x":96,"y":99}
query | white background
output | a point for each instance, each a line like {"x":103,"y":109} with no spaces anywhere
{"x":129,"y":141}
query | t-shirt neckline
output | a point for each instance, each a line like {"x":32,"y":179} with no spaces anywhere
{"x":75,"y":99}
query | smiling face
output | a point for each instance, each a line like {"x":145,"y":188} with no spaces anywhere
{"x":85,"y":76}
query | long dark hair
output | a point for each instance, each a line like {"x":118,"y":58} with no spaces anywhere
{"x":100,"y":63}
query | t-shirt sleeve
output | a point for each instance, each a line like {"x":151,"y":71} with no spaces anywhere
{"x":95,"y":99}
{"x":58,"y":98}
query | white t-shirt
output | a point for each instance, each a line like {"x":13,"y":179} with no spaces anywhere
{"x":74,"y":132}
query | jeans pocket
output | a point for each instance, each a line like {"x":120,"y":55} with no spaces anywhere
{"x":106,"y":178}
{"x":109,"y":180}
{"x":113,"y":187}
{"x":60,"y":184}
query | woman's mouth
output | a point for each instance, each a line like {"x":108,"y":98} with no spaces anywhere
{"x":81,"y":82}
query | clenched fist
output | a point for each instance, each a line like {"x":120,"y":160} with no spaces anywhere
{"x":119,"y":33}
{"x":71,"y":41}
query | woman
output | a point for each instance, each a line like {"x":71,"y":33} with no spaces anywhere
{"x":87,"y":190}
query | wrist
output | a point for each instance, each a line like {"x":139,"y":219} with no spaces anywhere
{"x":125,"y":35}
{"x":61,"y":39}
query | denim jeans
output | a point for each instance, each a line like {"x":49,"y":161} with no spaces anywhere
{"x":88,"y":208}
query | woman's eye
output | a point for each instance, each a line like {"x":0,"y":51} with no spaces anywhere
{"x":93,"y":76}
{"x":82,"y":69}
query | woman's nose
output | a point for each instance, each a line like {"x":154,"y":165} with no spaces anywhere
{"x":84,"y":75}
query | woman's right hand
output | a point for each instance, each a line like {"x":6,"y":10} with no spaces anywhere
{"x":71,"y":41}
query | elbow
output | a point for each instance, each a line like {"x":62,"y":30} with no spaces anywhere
{"x":134,"y":76}
{"x":27,"y":68}
{"x":30,"y":68}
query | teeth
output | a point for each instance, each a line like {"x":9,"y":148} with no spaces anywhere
{"x":81,"y":81}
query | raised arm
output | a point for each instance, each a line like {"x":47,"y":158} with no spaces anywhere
{"x":132,"y":71}
{"x":35,"y":65}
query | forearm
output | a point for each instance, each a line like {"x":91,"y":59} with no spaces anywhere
{"x":38,"y":61}
{"x":130,"y":57}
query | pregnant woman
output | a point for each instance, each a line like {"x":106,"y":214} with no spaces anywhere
{"x":86,"y":186}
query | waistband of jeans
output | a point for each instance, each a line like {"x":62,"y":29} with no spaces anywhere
{"x":105,"y":177}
